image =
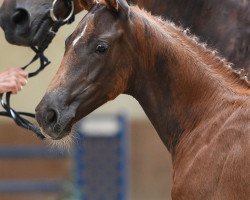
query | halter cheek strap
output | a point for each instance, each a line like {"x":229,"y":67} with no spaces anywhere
{"x":18,"y":117}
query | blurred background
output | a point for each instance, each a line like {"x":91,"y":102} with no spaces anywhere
{"x":31,"y":163}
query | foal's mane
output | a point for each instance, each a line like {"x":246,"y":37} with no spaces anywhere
{"x":208,"y":56}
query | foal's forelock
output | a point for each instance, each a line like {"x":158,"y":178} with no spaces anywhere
{"x":209,"y":56}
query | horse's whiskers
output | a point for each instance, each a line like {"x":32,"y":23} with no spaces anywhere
{"x":63,"y":144}
{"x":66,"y":142}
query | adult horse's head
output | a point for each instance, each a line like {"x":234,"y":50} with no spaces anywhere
{"x":27,"y":22}
{"x":94,"y":70}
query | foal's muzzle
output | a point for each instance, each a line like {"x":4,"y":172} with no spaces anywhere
{"x":54,"y":115}
{"x":48,"y":119}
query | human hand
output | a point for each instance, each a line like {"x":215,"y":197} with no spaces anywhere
{"x":13,"y":80}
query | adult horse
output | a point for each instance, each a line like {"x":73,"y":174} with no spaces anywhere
{"x":198,"y":105}
{"x":224,"y":25}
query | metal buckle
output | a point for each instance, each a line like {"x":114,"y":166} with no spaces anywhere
{"x":53,"y":16}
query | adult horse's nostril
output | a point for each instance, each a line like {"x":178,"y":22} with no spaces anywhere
{"x":51,"y":117}
{"x":20,"y":17}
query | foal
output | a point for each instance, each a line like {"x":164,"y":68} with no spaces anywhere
{"x":198,"y":105}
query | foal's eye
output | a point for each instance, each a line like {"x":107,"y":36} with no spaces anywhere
{"x":101,"y":48}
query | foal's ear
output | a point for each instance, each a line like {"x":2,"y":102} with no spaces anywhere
{"x":118,"y":5}
{"x":87,"y":4}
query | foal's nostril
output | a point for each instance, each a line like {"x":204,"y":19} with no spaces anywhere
{"x":20,"y":17}
{"x":51,"y":117}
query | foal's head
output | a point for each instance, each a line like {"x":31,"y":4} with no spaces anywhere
{"x":94,"y":70}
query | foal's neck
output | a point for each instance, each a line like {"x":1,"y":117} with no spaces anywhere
{"x":177,"y":83}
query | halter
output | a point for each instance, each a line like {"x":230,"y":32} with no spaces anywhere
{"x":18,"y":117}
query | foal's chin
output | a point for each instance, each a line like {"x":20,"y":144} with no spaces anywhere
{"x":65,"y":139}
{"x":53,"y":134}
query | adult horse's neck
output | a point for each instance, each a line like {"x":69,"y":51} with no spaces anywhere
{"x":79,"y":6}
{"x":170,"y":8}
{"x":177,"y":81}
{"x":157,"y":7}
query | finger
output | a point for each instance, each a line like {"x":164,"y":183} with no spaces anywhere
{"x":23,"y":81}
{"x":15,"y":86}
{"x":23,"y":78}
{"x":14,"y":90}
{"x":18,"y":72}
{"x":23,"y":73}
{"x":19,"y":88}
{"x":18,"y":85}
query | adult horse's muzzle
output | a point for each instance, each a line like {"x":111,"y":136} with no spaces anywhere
{"x":28,"y":23}
{"x":22,"y":27}
{"x":16,"y":25}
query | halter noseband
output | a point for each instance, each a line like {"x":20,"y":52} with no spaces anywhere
{"x":44,"y":62}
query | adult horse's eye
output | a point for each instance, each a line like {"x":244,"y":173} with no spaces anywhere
{"x":101,"y":48}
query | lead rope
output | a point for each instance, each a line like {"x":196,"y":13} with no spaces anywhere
{"x":18,"y":117}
